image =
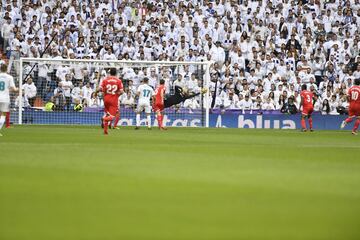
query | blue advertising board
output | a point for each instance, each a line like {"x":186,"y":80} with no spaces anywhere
{"x":228,"y":119}
{"x":274,"y":121}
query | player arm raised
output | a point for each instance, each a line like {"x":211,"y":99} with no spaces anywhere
{"x":348,"y":95}
{"x":162,"y":95}
{"x":14,"y":89}
{"x":98,"y":89}
{"x":137,"y":93}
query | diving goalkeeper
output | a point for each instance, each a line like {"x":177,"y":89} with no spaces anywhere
{"x":179,"y":96}
{"x":160,"y":101}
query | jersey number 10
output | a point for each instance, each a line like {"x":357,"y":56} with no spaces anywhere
{"x":354,"y":95}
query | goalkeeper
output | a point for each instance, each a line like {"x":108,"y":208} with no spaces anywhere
{"x":179,"y":96}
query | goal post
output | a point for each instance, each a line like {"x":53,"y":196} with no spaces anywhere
{"x":61,"y":91}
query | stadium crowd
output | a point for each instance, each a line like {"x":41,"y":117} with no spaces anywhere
{"x":262,"y":50}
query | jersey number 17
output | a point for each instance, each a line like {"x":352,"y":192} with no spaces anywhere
{"x":146,"y":93}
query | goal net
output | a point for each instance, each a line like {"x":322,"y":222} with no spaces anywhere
{"x":62,"y":91}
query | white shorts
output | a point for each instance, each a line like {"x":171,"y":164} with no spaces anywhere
{"x":144,"y":106}
{"x":4,"y":107}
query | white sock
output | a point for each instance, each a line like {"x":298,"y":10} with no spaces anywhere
{"x":2,"y":121}
{"x":149,"y":121}
{"x":138,"y":120}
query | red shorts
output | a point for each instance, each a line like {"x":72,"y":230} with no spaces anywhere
{"x":307,"y":110}
{"x":354,"y":111}
{"x":111,"y":107}
{"x":158,"y":107}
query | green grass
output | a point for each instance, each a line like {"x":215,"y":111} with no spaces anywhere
{"x":73,"y":183}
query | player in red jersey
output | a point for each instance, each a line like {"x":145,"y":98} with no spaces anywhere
{"x":158,"y":104}
{"x":7,"y":120}
{"x":354,"y":107}
{"x":112,"y":88}
{"x":308,"y":107}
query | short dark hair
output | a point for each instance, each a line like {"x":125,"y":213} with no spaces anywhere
{"x":303,"y":87}
{"x":162,"y":81}
{"x":145,"y":80}
{"x":357,"y":81}
{"x":112,"y":71}
{"x":4,"y":67}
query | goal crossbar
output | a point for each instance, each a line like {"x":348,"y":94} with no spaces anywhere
{"x":119,"y":62}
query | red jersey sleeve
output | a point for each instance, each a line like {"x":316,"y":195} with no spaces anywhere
{"x":302,"y":94}
{"x":103,"y":85}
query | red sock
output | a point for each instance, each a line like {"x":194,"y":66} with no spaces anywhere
{"x":357,"y":123}
{"x":107,"y":121}
{"x":348,"y":120}
{"x":106,"y":125}
{"x":303,"y":124}
{"x":162,"y":120}
{"x":159,"y":119}
{"x":7,"y":120}
{"x":116,"y":121}
{"x":310,"y":123}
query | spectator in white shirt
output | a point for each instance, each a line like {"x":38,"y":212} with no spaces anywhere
{"x":245,"y":104}
{"x":30,"y":91}
{"x":268,"y":105}
{"x":218,"y":53}
{"x":6,"y":30}
{"x":66,"y":86}
{"x":95,"y":101}
{"x":77,"y":94}
{"x":127,"y":99}
{"x":256,"y":105}
{"x":232,"y":101}
{"x":87,"y":92}
{"x":333,"y":103}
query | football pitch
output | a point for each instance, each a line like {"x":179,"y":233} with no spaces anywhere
{"x":67,"y":183}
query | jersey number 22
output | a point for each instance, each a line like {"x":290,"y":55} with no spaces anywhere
{"x":111,"y":89}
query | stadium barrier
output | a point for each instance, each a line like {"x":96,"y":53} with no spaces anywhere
{"x":274,"y":120}
{"x":227,"y":119}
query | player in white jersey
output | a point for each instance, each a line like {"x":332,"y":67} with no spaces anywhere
{"x":6,"y":85}
{"x":144,"y":93}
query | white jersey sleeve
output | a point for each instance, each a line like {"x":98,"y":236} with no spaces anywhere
{"x":6,"y":82}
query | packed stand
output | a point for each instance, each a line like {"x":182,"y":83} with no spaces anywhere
{"x":263,"y":51}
